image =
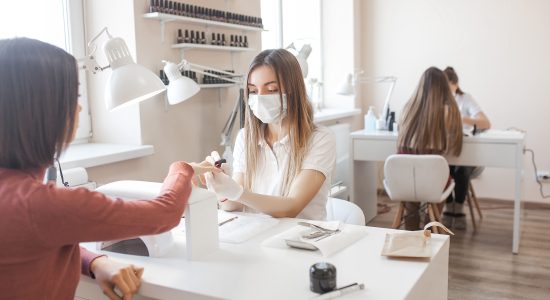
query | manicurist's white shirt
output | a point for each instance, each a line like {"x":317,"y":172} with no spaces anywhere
{"x":468,"y":108}
{"x":272,"y":164}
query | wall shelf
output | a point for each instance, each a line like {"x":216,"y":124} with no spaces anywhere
{"x":187,"y":46}
{"x":164,"y":18}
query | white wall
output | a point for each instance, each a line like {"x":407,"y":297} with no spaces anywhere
{"x":500,"y":49}
{"x":187,"y":131}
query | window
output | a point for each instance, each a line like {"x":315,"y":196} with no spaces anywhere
{"x":297,"y":22}
{"x":58,"y":22}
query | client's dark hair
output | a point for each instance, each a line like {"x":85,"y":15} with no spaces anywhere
{"x":38,"y":102}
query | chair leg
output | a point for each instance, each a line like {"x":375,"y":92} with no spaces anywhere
{"x":431,"y":208}
{"x":474,"y":198}
{"x":438,"y":208}
{"x":398,"y":216}
{"x":470,"y":207}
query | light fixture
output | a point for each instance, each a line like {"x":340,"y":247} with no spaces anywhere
{"x":348,"y":88}
{"x":184,"y":88}
{"x":301,"y":56}
{"x":180,"y":87}
{"x":128,"y":83}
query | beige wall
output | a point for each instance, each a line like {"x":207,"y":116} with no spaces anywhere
{"x":187,"y":131}
{"x":500,"y":49}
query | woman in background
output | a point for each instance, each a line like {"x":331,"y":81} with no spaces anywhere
{"x":282,"y":160}
{"x":431,"y":124}
{"x":472,"y":117}
{"x":41,"y":226}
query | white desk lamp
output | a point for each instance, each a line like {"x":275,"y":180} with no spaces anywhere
{"x":129,"y":82}
{"x":183,"y":88}
{"x":348,"y":88}
{"x":301,"y":56}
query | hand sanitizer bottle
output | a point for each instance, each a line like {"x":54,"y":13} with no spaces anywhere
{"x":370,"y":120}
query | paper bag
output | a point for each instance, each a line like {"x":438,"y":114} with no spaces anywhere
{"x":412,"y":243}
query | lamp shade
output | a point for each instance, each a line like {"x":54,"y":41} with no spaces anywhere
{"x":129,"y":83}
{"x":180,"y":88}
{"x":346,"y":87}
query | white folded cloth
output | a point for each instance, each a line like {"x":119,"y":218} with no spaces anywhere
{"x":329,"y":245}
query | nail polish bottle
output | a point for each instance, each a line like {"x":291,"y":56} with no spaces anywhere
{"x":152,"y":6}
{"x":203,"y":38}
{"x":241,"y":41}
{"x":192,"y":40}
{"x":171,"y":7}
{"x":160,"y":6}
{"x":218,"y":40}
{"x":231,"y":42}
{"x":223,"y":39}
{"x":179,"y":10}
{"x":184,"y":9}
{"x":213,"y":40}
{"x":179,"y":39}
{"x":198,"y":37}
{"x":245,"y":42}
{"x":186,"y":38}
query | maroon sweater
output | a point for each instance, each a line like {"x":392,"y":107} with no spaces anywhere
{"x":41,"y":226}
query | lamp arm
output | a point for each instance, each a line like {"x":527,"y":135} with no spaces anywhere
{"x":386,"y":108}
{"x":185,"y":65}
{"x":89,"y":62}
{"x":228,"y":127}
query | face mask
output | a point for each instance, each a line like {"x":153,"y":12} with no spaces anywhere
{"x":267,"y":108}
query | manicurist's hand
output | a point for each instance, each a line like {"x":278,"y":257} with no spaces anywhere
{"x":223,"y":185}
{"x":110,"y":274}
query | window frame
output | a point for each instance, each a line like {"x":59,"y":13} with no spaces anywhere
{"x":280,"y":40}
{"x":75,"y":43}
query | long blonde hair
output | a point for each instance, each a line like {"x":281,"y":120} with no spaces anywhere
{"x":431,"y":121}
{"x":299,"y":115}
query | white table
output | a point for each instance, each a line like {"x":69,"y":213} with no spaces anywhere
{"x":252,"y":271}
{"x":493,"y":148}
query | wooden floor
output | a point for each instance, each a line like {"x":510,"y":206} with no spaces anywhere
{"x":481,"y":263}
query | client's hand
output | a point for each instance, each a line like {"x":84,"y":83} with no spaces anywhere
{"x":202,"y":168}
{"x":110,"y":274}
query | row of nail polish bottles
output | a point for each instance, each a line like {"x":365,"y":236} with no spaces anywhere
{"x":196,"y":37}
{"x":194,"y":11}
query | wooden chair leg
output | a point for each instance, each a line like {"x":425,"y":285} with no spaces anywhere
{"x":431,"y":207}
{"x":470,"y":207}
{"x":437,"y":211}
{"x":474,"y":198}
{"x":398,"y":216}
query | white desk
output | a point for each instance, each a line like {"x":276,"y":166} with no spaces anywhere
{"x":252,"y":271}
{"x":493,"y":148}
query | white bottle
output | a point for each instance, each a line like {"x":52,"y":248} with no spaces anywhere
{"x":370,"y":120}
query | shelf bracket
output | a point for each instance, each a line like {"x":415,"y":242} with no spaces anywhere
{"x":162,"y":26}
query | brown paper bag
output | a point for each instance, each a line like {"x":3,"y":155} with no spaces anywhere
{"x":411,"y":243}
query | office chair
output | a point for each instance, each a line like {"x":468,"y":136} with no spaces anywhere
{"x":344,"y":211}
{"x":417,"y":178}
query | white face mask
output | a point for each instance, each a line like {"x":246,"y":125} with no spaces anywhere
{"x":267,"y":108}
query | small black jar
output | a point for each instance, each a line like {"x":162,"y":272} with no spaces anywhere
{"x":322,"y":277}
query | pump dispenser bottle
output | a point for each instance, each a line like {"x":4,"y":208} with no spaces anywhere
{"x":370,"y":120}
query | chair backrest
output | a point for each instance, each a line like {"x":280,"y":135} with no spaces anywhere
{"x":344,"y":211}
{"x":415,"y":178}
